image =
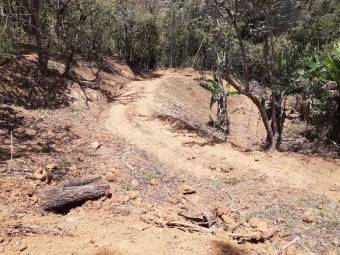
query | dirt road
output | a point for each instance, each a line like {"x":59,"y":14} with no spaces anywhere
{"x":175,"y":96}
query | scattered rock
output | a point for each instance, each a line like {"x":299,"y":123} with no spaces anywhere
{"x":291,"y":250}
{"x":110,"y":177}
{"x":225,"y":168}
{"x":229,"y":222}
{"x":81,"y":158}
{"x":133,"y":195}
{"x":335,"y":242}
{"x":95,"y":145}
{"x":30,"y":191}
{"x":52,"y":167}
{"x":134,"y":183}
{"x":258,"y":224}
{"x":213,"y":168}
{"x":137,"y":201}
{"x":191,"y":157}
{"x":154,"y":182}
{"x":186,"y":190}
{"x":221,"y":210}
{"x":309,"y":216}
{"x":40,"y":175}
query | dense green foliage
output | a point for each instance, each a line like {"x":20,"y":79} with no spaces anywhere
{"x":285,"y":47}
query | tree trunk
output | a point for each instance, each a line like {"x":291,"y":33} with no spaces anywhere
{"x":43,"y":54}
{"x":335,"y":133}
{"x":272,"y":141}
{"x":68,"y":64}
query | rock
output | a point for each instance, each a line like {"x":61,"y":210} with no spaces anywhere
{"x":291,"y":250}
{"x":110,"y":177}
{"x":225,"y":169}
{"x":95,"y":145}
{"x":221,"y":210}
{"x":81,"y":158}
{"x":40,"y":175}
{"x":335,"y":242}
{"x":134,"y":183}
{"x":137,"y":202}
{"x":309,"y":216}
{"x":330,"y":253}
{"x":73,"y":219}
{"x":229,"y":222}
{"x":51,"y":167}
{"x":191,"y":157}
{"x":154,"y":182}
{"x":213,"y":168}
{"x":30,"y":191}
{"x":186,"y":190}
{"x":258,"y":224}
{"x":133,"y":195}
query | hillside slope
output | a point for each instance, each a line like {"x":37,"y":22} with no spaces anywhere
{"x":167,"y":171}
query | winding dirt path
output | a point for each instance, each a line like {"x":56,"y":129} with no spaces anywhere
{"x":138,"y":124}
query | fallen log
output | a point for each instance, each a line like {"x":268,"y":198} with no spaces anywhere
{"x":87,"y":179}
{"x":62,"y":199}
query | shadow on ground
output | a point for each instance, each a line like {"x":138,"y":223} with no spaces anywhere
{"x":222,"y":248}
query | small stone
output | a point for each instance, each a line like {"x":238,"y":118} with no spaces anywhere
{"x":51,"y":167}
{"x":259,"y":224}
{"x":308,"y":216}
{"x":154,"y":182}
{"x":40,"y":175}
{"x":134,"y":183}
{"x":213,"y":168}
{"x":81,"y":158}
{"x":335,"y":242}
{"x":225,"y":169}
{"x":186,"y":190}
{"x":111,"y":177}
{"x":133,"y":195}
{"x":137,"y":202}
{"x":221,"y":210}
{"x":291,"y":250}
{"x":95,"y":145}
{"x":30,"y":191}
{"x":229,"y":222}
{"x":184,"y":207}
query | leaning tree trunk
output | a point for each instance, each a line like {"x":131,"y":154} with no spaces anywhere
{"x":261,"y":107}
{"x":335,"y":133}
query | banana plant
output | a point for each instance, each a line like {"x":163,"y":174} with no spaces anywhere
{"x":219,"y":94}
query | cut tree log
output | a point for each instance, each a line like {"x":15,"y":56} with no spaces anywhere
{"x":73,"y":193}
{"x":87,"y":179}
